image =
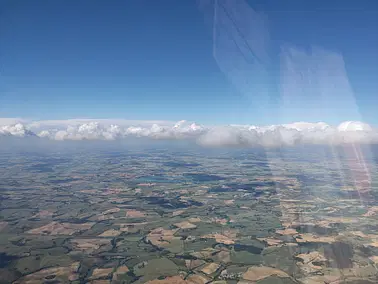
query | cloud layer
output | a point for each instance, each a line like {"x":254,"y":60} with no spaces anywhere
{"x":231,"y":135}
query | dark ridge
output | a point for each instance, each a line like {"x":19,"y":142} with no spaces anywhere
{"x":5,"y":259}
{"x":315,"y":229}
{"x":249,"y":248}
{"x":203,"y":177}
{"x":172,"y":203}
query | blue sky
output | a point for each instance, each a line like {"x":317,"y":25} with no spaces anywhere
{"x":154,"y":60}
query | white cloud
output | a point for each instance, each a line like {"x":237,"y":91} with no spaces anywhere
{"x":18,"y":130}
{"x":62,"y":124}
{"x":86,"y":131}
{"x":232,"y":135}
{"x":44,"y":134}
{"x":354,"y":126}
{"x":222,"y":136}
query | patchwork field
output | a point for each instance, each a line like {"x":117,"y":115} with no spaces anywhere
{"x":168,"y":217}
